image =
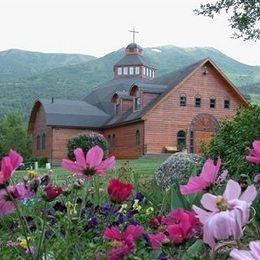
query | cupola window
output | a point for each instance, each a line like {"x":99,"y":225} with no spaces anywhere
{"x":153,"y":74}
{"x":119,"y":71}
{"x":137,"y":70}
{"x":125,"y":70}
{"x":131,"y":70}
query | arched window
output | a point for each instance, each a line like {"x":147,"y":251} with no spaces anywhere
{"x":38,"y":142}
{"x":212,"y":102}
{"x":43,"y":141}
{"x":197,"y":101}
{"x":183,"y":100}
{"x":113,"y":143}
{"x":181,"y":140}
{"x":137,"y":137}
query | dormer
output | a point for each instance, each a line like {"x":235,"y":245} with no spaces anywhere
{"x":122,"y":102}
{"x":134,"y":64}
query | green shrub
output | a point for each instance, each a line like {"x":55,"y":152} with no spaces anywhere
{"x":233,"y":139}
{"x":86,"y":141}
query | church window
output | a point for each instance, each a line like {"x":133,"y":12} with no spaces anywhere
{"x":144,"y":70}
{"x":43,"y":141}
{"x":137,"y":137}
{"x":197,"y":101}
{"x":212,"y":102}
{"x":227,"y":103}
{"x":150,"y":73}
{"x":137,"y":103}
{"x":125,"y":70}
{"x":147,"y":72}
{"x":183,"y":100}
{"x":137,"y":70}
{"x":153,"y":74}
{"x":131,"y":70}
{"x":119,"y":71}
{"x":38,"y":142}
{"x":181,"y":140}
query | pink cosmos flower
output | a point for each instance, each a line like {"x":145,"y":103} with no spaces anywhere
{"x":254,"y":153}
{"x":8,"y":166}
{"x":226,"y":214}
{"x":257,"y":178}
{"x":253,"y":254}
{"x":206,"y":178}
{"x":157,"y":240}
{"x":18,"y":193}
{"x":181,"y":225}
{"x":87,"y":166}
{"x":123,"y":243}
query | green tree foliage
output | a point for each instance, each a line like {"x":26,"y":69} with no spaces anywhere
{"x":13,"y":135}
{"x":244,"y":16}
{"x":233,"y":140}
{"x":86,"y":141}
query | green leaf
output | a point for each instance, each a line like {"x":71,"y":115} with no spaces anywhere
{"x":177,"y":199}
{"x":195,"y":251}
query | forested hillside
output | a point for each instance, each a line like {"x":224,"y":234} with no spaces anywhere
{"x":73,"y":76}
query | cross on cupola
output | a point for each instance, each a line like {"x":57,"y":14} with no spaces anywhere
{"x":134,"y":32}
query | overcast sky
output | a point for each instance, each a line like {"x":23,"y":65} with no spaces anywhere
{"x":97,"y":27}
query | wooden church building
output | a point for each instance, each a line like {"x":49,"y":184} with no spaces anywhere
{"x":138,"y":112}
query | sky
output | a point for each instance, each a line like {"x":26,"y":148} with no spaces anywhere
{"x":97,"y":27}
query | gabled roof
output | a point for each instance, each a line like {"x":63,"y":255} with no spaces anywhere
{"x":69,"y":113}
{"x":133,"y":59}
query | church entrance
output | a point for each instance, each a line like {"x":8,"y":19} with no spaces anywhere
{"x":202,"y":130}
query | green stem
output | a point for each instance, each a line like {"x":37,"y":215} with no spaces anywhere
{"x":22,"y":220}
{"x":96,"y":185}
{"x":43,"y":231}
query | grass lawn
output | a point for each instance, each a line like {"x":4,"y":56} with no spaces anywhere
{"x":143,"y":166}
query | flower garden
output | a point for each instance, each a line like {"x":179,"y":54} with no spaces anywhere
{"x":101,"y":213}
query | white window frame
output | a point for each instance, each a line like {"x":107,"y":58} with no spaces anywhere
{"x":125,"y":70}
{"x":119,"y":71}
{"x":131,"y":70}
{"x":137,"y":70}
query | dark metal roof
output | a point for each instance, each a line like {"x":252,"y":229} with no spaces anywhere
{"x":133,"y":45}
{"x":124,"y":95}
{"x":151,"y":88}
{"x":133,"y":59}
{"x":72,"y":113}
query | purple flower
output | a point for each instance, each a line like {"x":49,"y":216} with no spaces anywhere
{"x":226,"y":214}
{"x":253,"y":254}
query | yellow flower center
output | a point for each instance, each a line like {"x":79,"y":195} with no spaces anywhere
{"x":221,"y":203}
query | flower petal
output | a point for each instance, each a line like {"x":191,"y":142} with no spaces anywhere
{"x":240,"y":255}
{"x":232,"y":190}
{"x":202,"y":214}
{"x":208,"y":201}
{"x":80,"y":158}
{"x":210,"y":171}
{"x":134,"y":231}
{"x":256,"y":146}
{"x":255,"y":248}
{"x":194,"y":185}
{"x":94,"y":156}
{"x":71,"y":166}
{"x":113,"y":233}
{"x":249,"y":194}
{"x":16,"y":159}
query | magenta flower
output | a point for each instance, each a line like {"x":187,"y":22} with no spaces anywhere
{"x":180,"y":225}
{"x":255,"y":152}
{"x":157,"y":240}
{"x":253,"y":254}
{"x":206,"y":178}
{"x":226,"y":214}
{"x":123,"y":243}
{"x":87,"y":166}
{"x":8,"y":166}
{"x":18,"y":193}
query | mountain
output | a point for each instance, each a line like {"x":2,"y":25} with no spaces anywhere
{"x":18,"y":64}
{"x":74,"y":81}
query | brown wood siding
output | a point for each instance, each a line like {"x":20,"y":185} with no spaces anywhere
{"x":147,"y":98}
{"x":164,"y":121}
{"x":61,"y":137}
{"x":125,"y":141}
{"x":126,"y":105}
{"x":40,"y":128}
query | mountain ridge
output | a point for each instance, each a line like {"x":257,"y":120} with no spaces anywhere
{"x":74,"y":81}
